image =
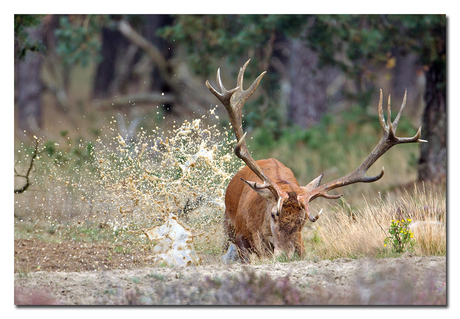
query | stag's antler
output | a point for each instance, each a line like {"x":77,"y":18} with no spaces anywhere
{"x":234,"y":100}
{"x":388,"y":140}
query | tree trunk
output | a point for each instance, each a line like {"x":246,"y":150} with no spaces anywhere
{"x":408,"y":74}
{"x":152,"y":24}
{"x":29,"y":86}
{"x":114,"y":47}
{"x":308,"y":99}
{"x":433,"y":155}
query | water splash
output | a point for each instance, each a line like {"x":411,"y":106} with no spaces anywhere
{"x":162,"y":173}
{"x":136,"y":182}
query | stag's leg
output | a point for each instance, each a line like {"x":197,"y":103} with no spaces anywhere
{"x":229,"y":232}
{"x":229,"y":244}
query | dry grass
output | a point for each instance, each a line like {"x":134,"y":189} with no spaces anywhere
{"x":342,"y":232}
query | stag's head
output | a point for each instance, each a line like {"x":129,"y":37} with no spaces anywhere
{"x":289,"y":204}
{"x":289,"y":209}
{"x":286,"y":225}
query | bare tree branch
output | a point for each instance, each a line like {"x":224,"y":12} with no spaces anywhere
{"x":26,"y":176}
{"x":125,"y":28}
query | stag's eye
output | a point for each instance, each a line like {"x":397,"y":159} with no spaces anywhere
{"x":273,"y":216}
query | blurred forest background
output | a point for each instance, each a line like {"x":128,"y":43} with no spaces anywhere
{"x":75,"y":74}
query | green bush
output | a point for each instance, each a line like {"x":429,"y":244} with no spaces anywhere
{"x":400,"y":237}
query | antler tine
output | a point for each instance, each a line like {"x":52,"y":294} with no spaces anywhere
{"x":308,"y":213}
{"x":381,"y":117}
{"x":389,"y":112}
{"x":393,"y":126}
{"x":239,"y":80}
{"x":403,"y":105}
{"x":225,"y":96}
{"x":415,"y":138}
{"x":255,"y":84}
{"x":219,"y":81}
{"x":247,"y":93}
{"x":213,"y":90}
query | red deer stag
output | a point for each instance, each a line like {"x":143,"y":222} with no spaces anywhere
{"x":265,"y":208}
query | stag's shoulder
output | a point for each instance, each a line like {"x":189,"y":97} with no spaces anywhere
{"x":277,"y":171}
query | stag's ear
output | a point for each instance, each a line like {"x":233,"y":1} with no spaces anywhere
{"x":260,"y":188}
{"x":313,"y":184}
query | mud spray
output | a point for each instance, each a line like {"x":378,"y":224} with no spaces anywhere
{"x":136,"y":183}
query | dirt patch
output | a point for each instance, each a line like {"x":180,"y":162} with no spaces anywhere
{"x":79,"y":273}
{"x":37,"y":255}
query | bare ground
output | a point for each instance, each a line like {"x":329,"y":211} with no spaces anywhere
{"x":88,"y":274}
